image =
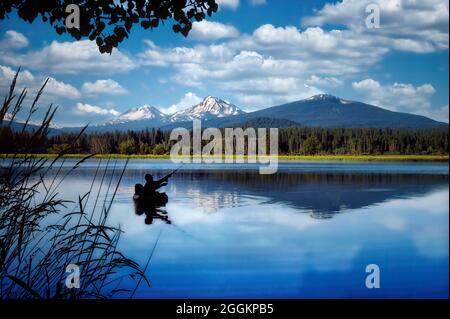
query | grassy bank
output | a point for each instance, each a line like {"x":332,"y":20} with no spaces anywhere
{"x":376,"y":158}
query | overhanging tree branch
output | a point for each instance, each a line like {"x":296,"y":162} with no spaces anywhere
{"x":109,"y":22}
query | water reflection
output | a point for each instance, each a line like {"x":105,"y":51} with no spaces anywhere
{"x":151,"y":212}
{"x":321,"y":194}
{"x":301,"y":233}
{"x":272,"y":250}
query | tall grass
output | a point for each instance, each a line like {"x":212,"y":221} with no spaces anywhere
{"x":40,"y":234}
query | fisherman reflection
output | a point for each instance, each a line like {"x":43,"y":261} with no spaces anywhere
{"x":151,"y":213}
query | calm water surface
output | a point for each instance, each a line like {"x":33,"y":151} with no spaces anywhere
{"x":308,"y":231}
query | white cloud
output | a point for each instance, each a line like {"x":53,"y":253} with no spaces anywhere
{"x":107,"y":86}
{"x":270,"y":90}
{"x":398,"y":96}
{"x":25,"y":77}
{"x":440,"y":114}
{"x":210,"y":30}
{"x":274,"y":49}
{"x":61,"y":89}
{"x":88,"y":108}
{"x":13,"y":40}
{"x":54,"y":89}
{"x":315,"y":44}
{"x":272,"y":65}
{"x":276,"y":64}
{"x":157,"y":56}
{"x":79,"y":57}
{"x":257,"y":2}
{"x":228,"y":4}
{"x":368,"y":85}
{"x":56,"y":92}
{"x":405,"y":25}
{"x":254,"y":101}
{"x":188,"y":100}
{"x":324,"y":81}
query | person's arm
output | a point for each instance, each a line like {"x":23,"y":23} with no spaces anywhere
{"x":161,"y":183}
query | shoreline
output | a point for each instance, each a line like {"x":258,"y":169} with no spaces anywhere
{"x":340,"y":158}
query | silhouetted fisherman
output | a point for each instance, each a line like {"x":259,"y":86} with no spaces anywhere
{"x":151,"y":186}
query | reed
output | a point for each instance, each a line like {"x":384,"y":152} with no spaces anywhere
{"x":40,"y":233}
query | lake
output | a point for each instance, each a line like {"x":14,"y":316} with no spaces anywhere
{"x":308,"y":231}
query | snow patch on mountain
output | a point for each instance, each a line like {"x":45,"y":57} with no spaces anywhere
{"x":210,"y":107}
{"x":9,"y":117}
{"x":145,"y":112}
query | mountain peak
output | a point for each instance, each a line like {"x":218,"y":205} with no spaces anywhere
{"x":322,"y":97}
{"x":210,"y":97}
{"x":328,"y":98}
{"x":144,"y":112}
{"x":210,"y":107}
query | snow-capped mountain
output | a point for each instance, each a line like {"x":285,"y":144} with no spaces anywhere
{"x":147,"y":116}
{"x":8,"y":117}
{"x":323,"y":110}
{"x":210,"y":108}
{"x":145,"y":112}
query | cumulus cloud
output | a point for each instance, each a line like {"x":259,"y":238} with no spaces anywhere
{"x":210,"y":30}
{"x":54,"y":89}
{"x":276,"y":64}
{"x":272,"y":65}
{"x":324,"y":81}
{"x":188,"y":100}
{"x":405,"y":25}
{"x":254,"y":101}
{"x":56,"y":92}
{"x":25,"y":77}
{"x":107,"y":86}
{"x":228,"y":4}
{"x":88,"y":108}
{"x":286,"y":49}
{"x":78,"y":57}
{"x":440,"y":113}
{"x":400,"y":97}
{"x":13,"y":40}
{"x":61,"y":89}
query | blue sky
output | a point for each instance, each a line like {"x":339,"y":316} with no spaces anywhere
{"x":253,"y":53}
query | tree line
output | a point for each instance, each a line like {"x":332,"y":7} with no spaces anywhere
{"x":292,"y":141}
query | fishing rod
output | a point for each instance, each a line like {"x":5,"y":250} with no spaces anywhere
{"x":166,"y":178}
